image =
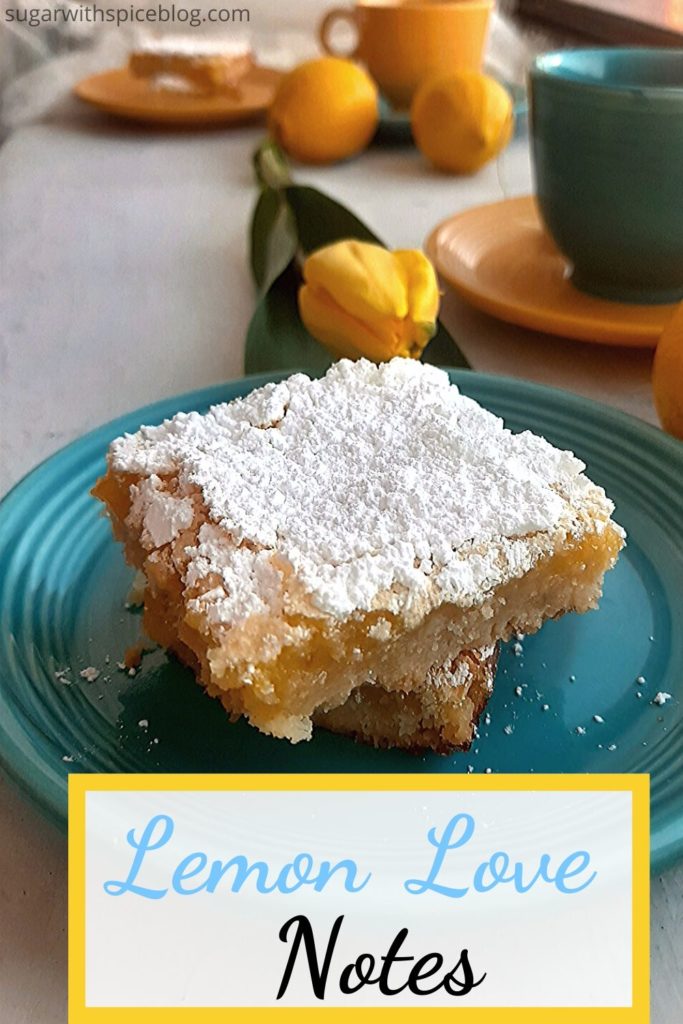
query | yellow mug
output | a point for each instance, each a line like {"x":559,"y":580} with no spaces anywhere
{"x":403,"y":42}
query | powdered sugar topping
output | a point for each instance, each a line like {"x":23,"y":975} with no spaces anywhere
{"x":195,"y":45}
{"x":161,"y":516}
{"x":369,"y":481}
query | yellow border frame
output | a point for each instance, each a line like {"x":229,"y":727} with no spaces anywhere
{"x":637,"y":785}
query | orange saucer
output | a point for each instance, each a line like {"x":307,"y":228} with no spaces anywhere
{"x":501,"y":260}
{"x":125,"y":95}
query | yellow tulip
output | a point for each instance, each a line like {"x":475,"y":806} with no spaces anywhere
{"x":360,"y":299}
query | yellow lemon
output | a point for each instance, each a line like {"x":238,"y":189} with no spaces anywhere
{"x":324,"y":110}
{"x":667,"y":376}
{"x":461,"y":120}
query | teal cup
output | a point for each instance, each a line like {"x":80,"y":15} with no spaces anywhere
{"x":607,"y":147}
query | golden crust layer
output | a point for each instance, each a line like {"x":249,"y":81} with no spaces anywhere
{"x":441,"y":715}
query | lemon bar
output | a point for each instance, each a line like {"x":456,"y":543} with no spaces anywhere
{"x":205,"y":64}
{"x":441,"y":715}
{"x":322,"y":534}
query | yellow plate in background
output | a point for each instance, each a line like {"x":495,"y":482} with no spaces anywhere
{"x":500,"y":258}
{"x":120,"y":93}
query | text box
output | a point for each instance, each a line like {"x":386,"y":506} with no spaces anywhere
{"x":506,"y":897}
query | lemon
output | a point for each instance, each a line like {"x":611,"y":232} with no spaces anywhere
{"x":324,"y":110}
{"x":667,"y":376}
{"x":461,"y":120}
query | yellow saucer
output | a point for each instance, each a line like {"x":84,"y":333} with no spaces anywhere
{"x":125,"y":95}
{"x":501,"y":260}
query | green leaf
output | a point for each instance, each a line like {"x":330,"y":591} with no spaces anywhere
{"x":321,"y":220}
{"x":273,"y":238}
{"x":442,"y":350}
{"x":277,"y":339}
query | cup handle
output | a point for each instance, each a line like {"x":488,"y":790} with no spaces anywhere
{"x":346,"y":14}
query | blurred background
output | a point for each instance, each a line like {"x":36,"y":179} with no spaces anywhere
{"x":40,"y":60}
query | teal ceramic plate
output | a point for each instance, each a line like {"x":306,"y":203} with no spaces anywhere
{"x":64,"y":585}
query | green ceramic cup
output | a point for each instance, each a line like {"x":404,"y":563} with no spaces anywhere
{"x":607,"y":146}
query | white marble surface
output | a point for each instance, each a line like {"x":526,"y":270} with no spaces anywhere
{"x":124,"y":279}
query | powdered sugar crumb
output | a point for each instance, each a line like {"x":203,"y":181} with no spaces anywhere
{"x":380,"y":630}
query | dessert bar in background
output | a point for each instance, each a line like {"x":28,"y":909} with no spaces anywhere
{"x":191,"y":63}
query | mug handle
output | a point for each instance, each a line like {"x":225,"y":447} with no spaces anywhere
{"x":326,"y":26}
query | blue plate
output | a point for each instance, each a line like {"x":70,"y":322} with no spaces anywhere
{"x":64,"y":584}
